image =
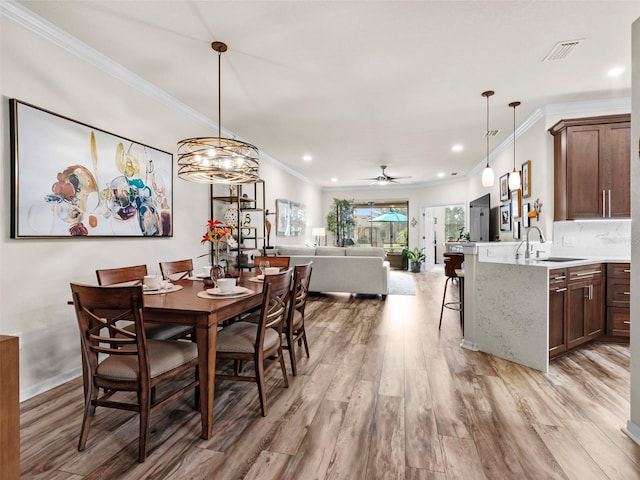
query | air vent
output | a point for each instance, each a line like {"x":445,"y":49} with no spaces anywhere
{"x":562,"y":50}
{"x":491,"y":133}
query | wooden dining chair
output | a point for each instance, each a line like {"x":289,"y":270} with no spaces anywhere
{"x":117,"y":360}
{"x":133,"y":276}
{"x":176,"y":270}
{"x":280,"y":262}
{"x":260,"y":343}
{"x":130,"y":275}
{"x":294,"y":328}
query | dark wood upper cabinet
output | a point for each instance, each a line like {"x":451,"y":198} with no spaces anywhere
{"x":592,"y":167}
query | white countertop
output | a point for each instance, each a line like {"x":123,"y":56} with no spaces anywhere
{"x":541,"y":262}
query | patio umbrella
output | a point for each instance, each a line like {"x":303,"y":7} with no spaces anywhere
{"x":390,"y":217}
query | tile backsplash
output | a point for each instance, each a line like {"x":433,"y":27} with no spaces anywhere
{"x":610,"y":238}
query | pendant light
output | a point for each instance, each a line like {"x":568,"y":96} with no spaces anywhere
{"x":514,"y":176}
{"x":218,"y":159}
{"x":487,"y":174}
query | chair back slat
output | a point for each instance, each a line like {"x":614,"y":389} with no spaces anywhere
{"x":113,"y":276}
{"x":177,"y":269}
{"x":98,"y":309}
{"x":301,"y":280}
{"x":277,"y":290}
{"x":280,"y":262}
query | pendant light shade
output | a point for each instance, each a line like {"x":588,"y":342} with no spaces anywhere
{"x":218,"y":159}
{"x":487,"y":174}
{"x":514,"y":176}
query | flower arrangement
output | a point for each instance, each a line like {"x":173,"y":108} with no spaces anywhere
{"x":217,"y":232}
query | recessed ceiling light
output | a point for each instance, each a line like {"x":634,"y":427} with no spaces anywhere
{"x":307,"y":158}
{"x":334,"y":179}
{"x":616,"y":72}
{"x":440,"y":174}
{"x":457,"y":148}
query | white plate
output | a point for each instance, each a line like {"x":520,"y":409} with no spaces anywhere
{"x":260,"y":277}
{"x":237,"y":290}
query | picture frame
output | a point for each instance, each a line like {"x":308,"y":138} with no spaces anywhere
{"x":516,"y":201}
{"x":290,"y":218}
{"x":526,"y":221}
{"x":505,"y":217}
{"x":516,"y":230}
{"x":70,"y":179}
{"x":526,"y":179}
{"x":504,"y":187}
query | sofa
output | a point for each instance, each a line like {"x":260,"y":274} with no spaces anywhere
{"x":343,"y":269}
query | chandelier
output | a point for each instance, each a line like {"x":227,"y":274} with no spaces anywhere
{"x":218,"y":159}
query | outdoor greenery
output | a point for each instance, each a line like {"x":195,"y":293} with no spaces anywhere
{"x":453,"y":222}
{"x":341,"y":221}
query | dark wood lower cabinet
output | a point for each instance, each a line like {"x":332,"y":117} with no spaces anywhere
{"x":558,"y":293}
{"x":576,"y":307}
{"x":618,"y":299}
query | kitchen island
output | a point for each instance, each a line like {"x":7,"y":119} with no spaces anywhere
{"x":507,"y":301}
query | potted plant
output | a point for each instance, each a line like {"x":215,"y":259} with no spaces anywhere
{"x":416,"y":257}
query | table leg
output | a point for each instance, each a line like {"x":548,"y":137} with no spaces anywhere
{"x":206,"y":340}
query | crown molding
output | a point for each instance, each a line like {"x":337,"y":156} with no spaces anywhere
{"x":36,"y":24}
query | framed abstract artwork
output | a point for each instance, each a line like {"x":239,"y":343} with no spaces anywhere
{"x":526,"y":179}
{"x":72,"y":179}
{"x":505,"y":217}
{"x":504,"y":187}
{"x":290,"y":218}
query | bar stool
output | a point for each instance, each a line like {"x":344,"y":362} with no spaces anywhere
{"x":452,"y":263}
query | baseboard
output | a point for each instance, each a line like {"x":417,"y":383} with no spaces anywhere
{"x":469,"y":345}
{"x":633,"y":431}
{"x":48,"y":384}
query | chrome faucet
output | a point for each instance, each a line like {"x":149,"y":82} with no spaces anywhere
{"x":527,"y":253}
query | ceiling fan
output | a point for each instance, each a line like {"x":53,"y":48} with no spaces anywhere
{"x":383,"y":178}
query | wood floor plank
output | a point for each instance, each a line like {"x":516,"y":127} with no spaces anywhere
{"x":387,"y":449}
{"x":314,"y":455}
{"x":423,"y":449}
{"x":574,"y":460}
{"x":346,"y":373}
{"x":447,"y":403}
{"x":607,"y":456}
{"x":268,"y":466}
{"x":462,"y":461}
{"x":291,"y":433}
{"x":349,"y":458}
{"x":419,"y":474}
{"x":494,"y":446}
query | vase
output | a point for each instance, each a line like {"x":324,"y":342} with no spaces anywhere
{"x":217,"y":270}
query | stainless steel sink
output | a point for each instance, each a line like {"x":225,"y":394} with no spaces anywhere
{"x":559,"y":259}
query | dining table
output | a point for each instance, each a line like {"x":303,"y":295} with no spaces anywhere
{"x":188,"y":306}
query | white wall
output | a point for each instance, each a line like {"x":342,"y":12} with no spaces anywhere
{"x":633,"y":426}
{"x":35,"y":273}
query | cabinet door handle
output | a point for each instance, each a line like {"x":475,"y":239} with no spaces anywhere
{"x":626,"y":293}
{"x":604,"y":207}
{"x":609,"y":203}
{"x":590,"y":292}
{"x":626,"y":271}
{"x":584,"y":274}
{"x":560,"y":278}
{"x":558,"y":290}
{"x":627,"y":322}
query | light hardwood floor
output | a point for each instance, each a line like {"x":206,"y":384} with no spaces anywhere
{"x":385,"y":395}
